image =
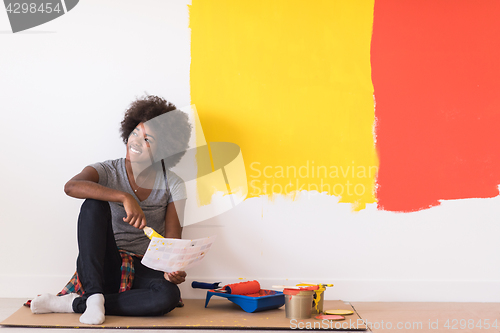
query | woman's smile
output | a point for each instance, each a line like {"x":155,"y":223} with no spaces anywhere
{"x":135,"y":149}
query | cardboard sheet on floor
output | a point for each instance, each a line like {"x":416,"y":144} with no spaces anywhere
{"x":220,"y":314}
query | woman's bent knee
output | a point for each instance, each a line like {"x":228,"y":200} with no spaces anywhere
{"x":95,"y":211}
{"x":167,"y":296}
{"x":97,"y":206}
{"x":95,"y":217}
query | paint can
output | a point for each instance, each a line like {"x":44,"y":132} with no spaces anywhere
{"x":298,"y":303}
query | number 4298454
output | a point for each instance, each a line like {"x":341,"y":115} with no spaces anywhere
{"x":455,"y":324}
{"x":23,"y":8}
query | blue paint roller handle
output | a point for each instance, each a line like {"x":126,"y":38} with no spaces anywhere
{"x":205,"y":285}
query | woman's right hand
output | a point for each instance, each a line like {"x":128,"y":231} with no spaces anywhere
{"x":135,"y":215}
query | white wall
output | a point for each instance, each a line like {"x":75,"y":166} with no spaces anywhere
{"x":64,"y":87}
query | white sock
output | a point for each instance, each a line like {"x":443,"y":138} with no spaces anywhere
{"x":94,"y":314}
{"x":47,"y":303}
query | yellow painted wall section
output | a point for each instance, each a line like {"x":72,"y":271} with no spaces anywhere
{"x":290,"y":83}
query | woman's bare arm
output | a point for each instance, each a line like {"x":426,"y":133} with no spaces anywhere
{"x":173,"y":229}
{"x":173,"y":218}
{"x":85,"y":186}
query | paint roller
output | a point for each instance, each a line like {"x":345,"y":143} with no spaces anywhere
{"x":240,"y":288}
{"x":243,"y":288}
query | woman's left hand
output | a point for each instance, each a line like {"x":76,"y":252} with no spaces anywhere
{"x":175,"y":277}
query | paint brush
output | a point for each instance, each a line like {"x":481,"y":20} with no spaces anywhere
{"x":150,"y":232}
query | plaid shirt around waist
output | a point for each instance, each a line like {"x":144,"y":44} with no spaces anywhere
{"x":127,"y":276}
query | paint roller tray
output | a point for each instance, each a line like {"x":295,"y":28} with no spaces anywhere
{"x":264,"y":300}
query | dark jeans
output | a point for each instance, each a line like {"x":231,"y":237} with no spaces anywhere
{"x":98,"y":267}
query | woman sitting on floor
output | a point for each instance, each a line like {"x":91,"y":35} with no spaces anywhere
{"x":122,"y":197}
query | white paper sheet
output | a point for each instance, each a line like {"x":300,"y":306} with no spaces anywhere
{"x":170,"y":255}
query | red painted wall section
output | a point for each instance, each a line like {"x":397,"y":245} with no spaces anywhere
{"x":436,"y":75}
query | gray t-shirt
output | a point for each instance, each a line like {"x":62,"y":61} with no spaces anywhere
{"x":113,"y":174}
